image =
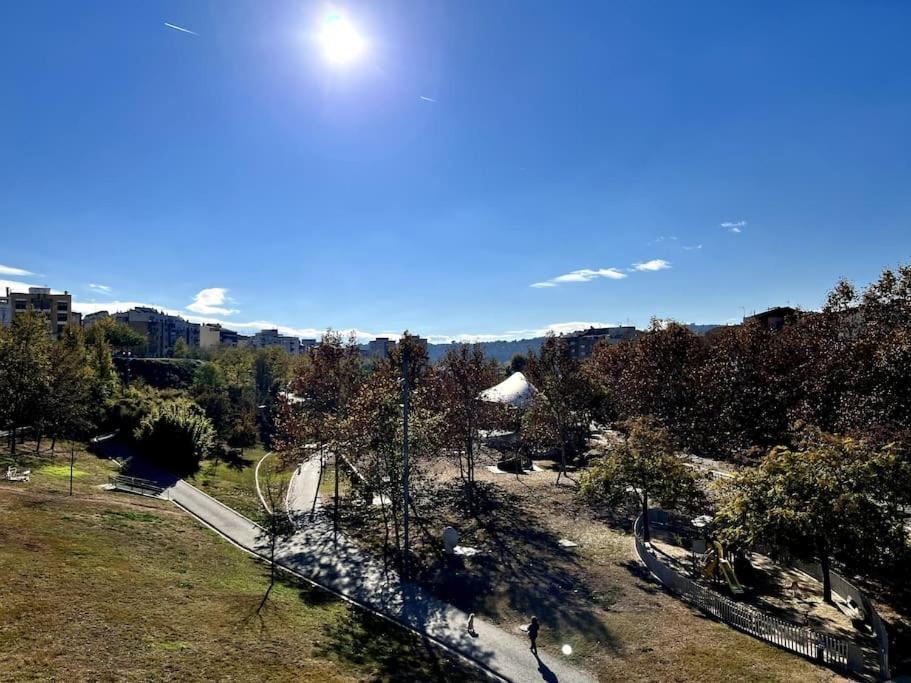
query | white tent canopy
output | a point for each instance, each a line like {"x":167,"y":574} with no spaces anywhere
{"x":515,"y":390}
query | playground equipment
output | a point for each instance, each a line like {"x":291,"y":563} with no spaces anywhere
{"x":715,"y":564}
{"x":12,"y":474}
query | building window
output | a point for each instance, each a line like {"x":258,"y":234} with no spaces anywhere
{"x":20,"y":304}
{"x":62,"y":317}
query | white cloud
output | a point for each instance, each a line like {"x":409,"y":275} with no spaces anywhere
{"x":100,"y":288}
{"x":587,"y":274}
{"x":541,"y":285}
{"x":691,"y":247}
{"x":209,"y":302}
{"x":19,"y":286}
{"x":181,"y":29}
{"x":654,"y":264}
{"x":735,"y":227}
{"x":15,"y":272}
{"x":427,"y":99}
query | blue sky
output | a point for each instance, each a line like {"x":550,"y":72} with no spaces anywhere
{"x":475,"y":149}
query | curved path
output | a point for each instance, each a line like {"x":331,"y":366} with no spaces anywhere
{"x":342,"y":566}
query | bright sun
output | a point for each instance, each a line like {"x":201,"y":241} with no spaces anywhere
{"x":340,"y":40}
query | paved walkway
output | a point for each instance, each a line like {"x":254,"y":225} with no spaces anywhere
{"x":340,"y":566}
{"x":343,"y":566}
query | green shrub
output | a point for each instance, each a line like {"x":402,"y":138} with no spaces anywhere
{"x":176,"y":435}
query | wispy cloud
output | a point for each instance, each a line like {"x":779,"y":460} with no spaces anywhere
{"x":181,"y":29}
{"x":211,"y":301}
{"x":654,"y":264}
{"x":691,"y":247}
{"x":542,"y":285}
{"x":588,"y":274}
{"x":735,"y":227}
{"x":15,"y":272}
{"x":100,"y":288}
{"x":427,"y":99}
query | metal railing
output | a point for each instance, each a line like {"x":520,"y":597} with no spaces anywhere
{"x":822,"y":647}
{"x":146,"y":487}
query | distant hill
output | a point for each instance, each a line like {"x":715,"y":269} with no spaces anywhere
{"x":503,"y":351}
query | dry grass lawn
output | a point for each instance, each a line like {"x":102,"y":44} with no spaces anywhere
{"x":106,"y":586}
{"x":596,"y":598}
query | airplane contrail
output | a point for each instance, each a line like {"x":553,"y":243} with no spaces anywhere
{"x":181,"y":29}
{"x":427,"y":99}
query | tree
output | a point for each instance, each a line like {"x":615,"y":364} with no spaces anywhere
{"x":101,"y":361}
{"x":276,"y":526}
{"x":322,"y":388}
{"x":653,"y":375}
{"x":834,"y":498}
{"x":67,"y":402}
{"x":640,"y":469}
{"x":518,"y":362}
{"x":176,"y":434}
{"x":560,"y":415}
{"x":120,"y":336}
{"x":210,"y":391}
{"x":373,"y":431}
{"x":24,"y":372}
{"x":243,"y":430}
{"x":181,"y":348}
{"x":464,"y":373}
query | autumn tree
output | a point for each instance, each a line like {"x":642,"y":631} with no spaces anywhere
{"x":463,"y":374}
{"x":642,"y":468}
{"x":374,"y":435}
{"x":276,"y":526}
{"x":831,"y":499}
{"x":321,"y":391}
{"x":560,"y":414}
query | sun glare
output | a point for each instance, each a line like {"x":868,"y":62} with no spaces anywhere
{"x":340,"y":40}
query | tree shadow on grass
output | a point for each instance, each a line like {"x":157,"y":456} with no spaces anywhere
{"x":390,"y":652}
{"x":521,"y":562}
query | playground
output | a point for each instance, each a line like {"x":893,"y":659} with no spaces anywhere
{"x":783,"y":592}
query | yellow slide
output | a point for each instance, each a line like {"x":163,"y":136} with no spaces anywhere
{"x":727,"y":571}
{"x":716,"y":562}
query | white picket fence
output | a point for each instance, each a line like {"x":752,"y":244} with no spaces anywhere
{"x":822,"y":647}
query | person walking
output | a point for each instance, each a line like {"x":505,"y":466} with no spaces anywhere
{"x":533,"y":629}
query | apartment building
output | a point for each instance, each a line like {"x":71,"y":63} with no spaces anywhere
{"x":57,"y":309}
{"x":267,"y":338}
{"x":161,"y":330}
{"x":582,"y":343}
{"x":380,"y":347}
{"x":209,"y":335}
{"x":6,"y":313}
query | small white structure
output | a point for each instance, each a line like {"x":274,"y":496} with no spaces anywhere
{"x":515,"y":391}
{"x":12,"y":474}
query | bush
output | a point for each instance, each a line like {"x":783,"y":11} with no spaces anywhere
{"x":176,"y":435}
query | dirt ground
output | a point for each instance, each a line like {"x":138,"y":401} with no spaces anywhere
{"x":595,"y":597}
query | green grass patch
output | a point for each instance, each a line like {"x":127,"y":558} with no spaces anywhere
{"x":61,"y":471}
{"x":130,"y":515}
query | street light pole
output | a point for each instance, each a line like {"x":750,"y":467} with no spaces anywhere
{"x":405,"y":457}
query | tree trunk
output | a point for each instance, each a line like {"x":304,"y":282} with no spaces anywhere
{"x":335,"y":516}
{"x":54,"y":443}
{"x":646,"y":528}
{"x":469,"y":450}
{"x":12,"y":441}
{"x":826,"y":578}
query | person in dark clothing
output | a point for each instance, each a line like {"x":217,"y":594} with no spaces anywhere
{"x":533,"y":629}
